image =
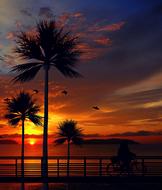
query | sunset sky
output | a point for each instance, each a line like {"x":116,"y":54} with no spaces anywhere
{"x":121,"y":66}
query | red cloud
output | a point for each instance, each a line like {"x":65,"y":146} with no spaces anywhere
{"x":64,"y":18}
{"x":107,"y":28}
{"x":73,"y":18}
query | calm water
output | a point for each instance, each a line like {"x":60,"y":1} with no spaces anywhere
{"x":86,"y":150}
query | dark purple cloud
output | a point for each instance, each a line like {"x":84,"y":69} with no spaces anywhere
{"x":135,"y":99}
{"x":138,"y":133}
{"x":45,"y":12}
{"x":26,"y":12}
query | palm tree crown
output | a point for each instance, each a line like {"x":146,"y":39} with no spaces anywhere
{"x":22,"y":107}
{"x":50,"y":46}
{"x":68,"y":131}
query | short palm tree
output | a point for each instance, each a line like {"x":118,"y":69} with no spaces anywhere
{"x":20,"y":109}
{"x":68,"y":132}
{"x":49,"y":47}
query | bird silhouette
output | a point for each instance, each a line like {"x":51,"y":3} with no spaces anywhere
{"x":35,"y":91}
{"x":6,"y":99}
{"x":64,"y":92}
{"x":96,"y":108}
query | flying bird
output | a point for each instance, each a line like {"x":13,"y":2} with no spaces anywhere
{"x":96,"y":108}
{"x":6,"y":99}
{"x":35,"y":91}
{"x":64,"y":92}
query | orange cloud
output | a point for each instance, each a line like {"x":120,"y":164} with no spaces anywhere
{"x":78,"y":14}
{"x":103,"y":41}
{"x":1,"y":46}
{"x":32,"y":32}
{"x":10,"y":36}
{"x":90,"y":52}
{"x":18,"y":24}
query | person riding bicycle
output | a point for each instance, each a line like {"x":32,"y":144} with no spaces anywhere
{"x":125,"y":156}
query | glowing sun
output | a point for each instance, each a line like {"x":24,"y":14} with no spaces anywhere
{"x":32,"y":141}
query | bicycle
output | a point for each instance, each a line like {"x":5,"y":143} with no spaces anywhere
{"x":117,"y":168}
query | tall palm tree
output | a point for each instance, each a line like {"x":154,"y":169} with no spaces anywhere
{"x":49,"y":47}
{"x":70,"y":133}
{"x":20,"y":109}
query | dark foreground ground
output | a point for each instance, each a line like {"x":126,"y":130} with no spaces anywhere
{"x":93,"y":186}
{"x":85,"y":186}
{"x":115,"y":187}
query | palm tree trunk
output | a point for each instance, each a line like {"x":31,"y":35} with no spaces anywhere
{"x":22,"y":149}
{"x":45,"y":132}
{"x":22,"y":186}
{"x":68,"y":159}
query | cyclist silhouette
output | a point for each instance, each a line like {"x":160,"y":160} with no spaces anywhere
{"x":125,"y":156}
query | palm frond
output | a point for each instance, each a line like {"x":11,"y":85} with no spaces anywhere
{"x":47,"y":35}
{"x":20,"y":103}
{"x":25,"y":66}
{"x":27,"y":75}
{"x":13,"y":118}
{"x":11,"y":115}
{"x":67,"y":71}
{"x":14,"y":121}
{"x":22,"y":107}
{"x":33,"y":108}
{"x":28,"y":47}
{"x":36,"y":119}
{"x":60,"y":141}
{"x":77,"y":140}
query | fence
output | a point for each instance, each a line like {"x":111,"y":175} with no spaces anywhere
{"x":79,"y":166}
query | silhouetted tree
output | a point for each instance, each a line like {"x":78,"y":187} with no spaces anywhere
{"x":19,"y":109}
{"x":49,"y":47}
{"x":68,"y":132}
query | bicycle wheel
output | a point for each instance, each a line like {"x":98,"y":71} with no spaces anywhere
{"x":138,"y":169}
{"x":113,"y":169}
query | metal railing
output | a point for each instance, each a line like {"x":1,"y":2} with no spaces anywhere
{"x":79,"y":166}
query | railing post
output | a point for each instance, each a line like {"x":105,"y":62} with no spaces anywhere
{"x":85,"y":166}
{"x":143,"y":167}
{"x":100,"y":166}
{"x":42,"y":172}
{"x":58,"y":167}
{"x":68,"y":167}
{"x":16,"y":167}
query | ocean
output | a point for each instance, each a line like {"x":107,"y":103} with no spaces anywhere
{"x":84,"y":150}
